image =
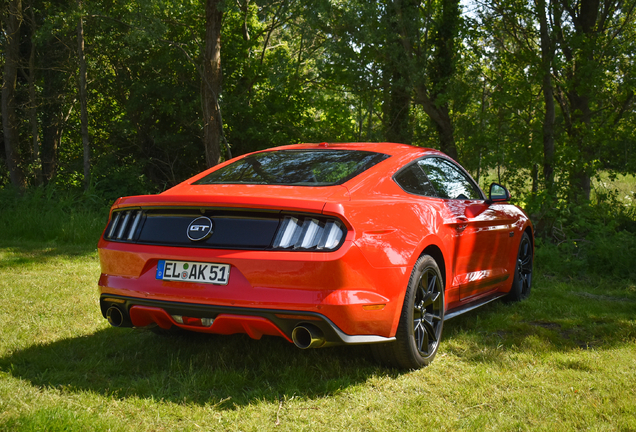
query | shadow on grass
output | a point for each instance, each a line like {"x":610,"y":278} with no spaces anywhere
{"x":229,"y":371}
{"x":221,"y":370}
{"x":225,"y":370}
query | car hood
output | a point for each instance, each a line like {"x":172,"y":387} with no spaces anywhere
{"x":297,"y":198}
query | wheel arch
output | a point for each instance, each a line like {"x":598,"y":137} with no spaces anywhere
{"x":529,"y":229}
{"x":429,"y":246}
{"x":434,"y":246}
{"x":436,"y":253}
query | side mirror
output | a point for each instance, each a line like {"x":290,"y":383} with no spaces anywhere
{"x":498,"y":193}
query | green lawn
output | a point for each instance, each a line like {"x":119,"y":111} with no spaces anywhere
{"x":563,"y":360}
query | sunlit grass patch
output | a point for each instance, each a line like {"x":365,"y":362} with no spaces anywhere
{"x":565,"y":359}
{"x":620,"y":186}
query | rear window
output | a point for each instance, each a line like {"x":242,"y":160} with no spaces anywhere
{"x":295,"y":168}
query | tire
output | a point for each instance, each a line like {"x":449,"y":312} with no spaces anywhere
{"x":421,"y":321}
{"x":522,"y":282}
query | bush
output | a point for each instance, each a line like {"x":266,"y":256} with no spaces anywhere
{"x":588,"y":239}
{"x":571,"y":241}
{"x":46,"y":214}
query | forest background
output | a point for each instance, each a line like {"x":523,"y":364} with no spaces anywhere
{"x":107,"y":98}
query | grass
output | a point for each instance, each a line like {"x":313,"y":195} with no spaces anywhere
{"x":563,"y":360}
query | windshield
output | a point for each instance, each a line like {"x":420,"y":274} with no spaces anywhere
{"x":295,"y":168}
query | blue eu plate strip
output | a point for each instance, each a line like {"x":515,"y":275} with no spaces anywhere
{"x":160,"y":266}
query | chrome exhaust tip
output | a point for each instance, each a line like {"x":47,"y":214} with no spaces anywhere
{"x":308,"y":336}
{"x":114,"y":316}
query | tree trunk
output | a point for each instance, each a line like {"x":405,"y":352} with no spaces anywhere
{"x":57,"y":101}
{"x":580,"y":179}
{"x":211,"y":83}
{"x":441,"y":118}
{"x":13,"y":21}
{"x":443,"y":70}
{"x":401,"y":23}
{"x":83,"y":99}
{"x":446,"y":132}
{"x":398,"y":127}
{"x":585,"y":25}
{"x":52,"y":121}
{"x":547,"y":54}
{"x":33,"y":114}
{"x":433,"y":95}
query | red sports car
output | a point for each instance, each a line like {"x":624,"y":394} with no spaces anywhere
{"x":321,"y":244}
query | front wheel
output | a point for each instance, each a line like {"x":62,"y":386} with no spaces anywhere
{"x":420,"y":327}
{"x":522,"y":281}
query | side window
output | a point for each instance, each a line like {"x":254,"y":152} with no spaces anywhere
{"x":412,"y":179}
{"x":448,"y":180}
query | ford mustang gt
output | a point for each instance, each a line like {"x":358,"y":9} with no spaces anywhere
{"x":321,"y":244}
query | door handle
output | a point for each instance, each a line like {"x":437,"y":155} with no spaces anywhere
{"x":460,"y":227}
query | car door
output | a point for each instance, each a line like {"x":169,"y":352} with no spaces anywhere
{"x":480,"y":233}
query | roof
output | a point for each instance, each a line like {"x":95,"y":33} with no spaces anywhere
{"x":381,"y":147}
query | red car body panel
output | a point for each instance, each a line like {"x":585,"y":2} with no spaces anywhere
{"x":359,"y":287}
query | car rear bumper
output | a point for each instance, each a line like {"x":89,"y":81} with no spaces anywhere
{"x":228,"y":320}
{"x":349,"y":300}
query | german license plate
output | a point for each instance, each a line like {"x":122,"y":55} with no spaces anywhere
{"x":188,"y":271}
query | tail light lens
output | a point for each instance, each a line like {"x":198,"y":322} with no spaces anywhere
{"x":124,"y":224}
{"x":309,"y":234}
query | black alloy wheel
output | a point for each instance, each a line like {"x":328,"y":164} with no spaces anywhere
{"x":522,"y":282}
{"x":428,"y":313}
{"x":420,"y":327}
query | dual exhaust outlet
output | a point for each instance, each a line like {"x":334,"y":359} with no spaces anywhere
{"x":114,"y":316}
{"x":304,"y":336}
{"x":308,"y":336}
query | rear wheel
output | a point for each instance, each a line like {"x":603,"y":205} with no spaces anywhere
{"x":420,"y":327}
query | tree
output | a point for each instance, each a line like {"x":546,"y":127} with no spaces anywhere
{"x":411,"y":48}
{"x":588,"y":34}
{"x":541,"y":89}
{"x":433,"y":89}
{"x":33,"y":114}
{"x":547,"y":45}
{"x":83,"y":97}
{"x":12,"y":26}
{"x":580,"y":48}
{"x":400,"y":24}
{"x":211,"y":83}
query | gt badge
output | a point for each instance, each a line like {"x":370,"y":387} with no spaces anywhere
{"x":200,"y":229}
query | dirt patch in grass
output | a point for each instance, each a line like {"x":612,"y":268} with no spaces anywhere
{"x":574,"y":334}
{"x":604,"y":297}
{"x":546,"y":324}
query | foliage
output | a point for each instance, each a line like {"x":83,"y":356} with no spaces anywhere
{"x":313,"y":71}
{"x":350,"y":70}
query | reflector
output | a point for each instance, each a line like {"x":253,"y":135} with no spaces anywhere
{"x":192,"y":321}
